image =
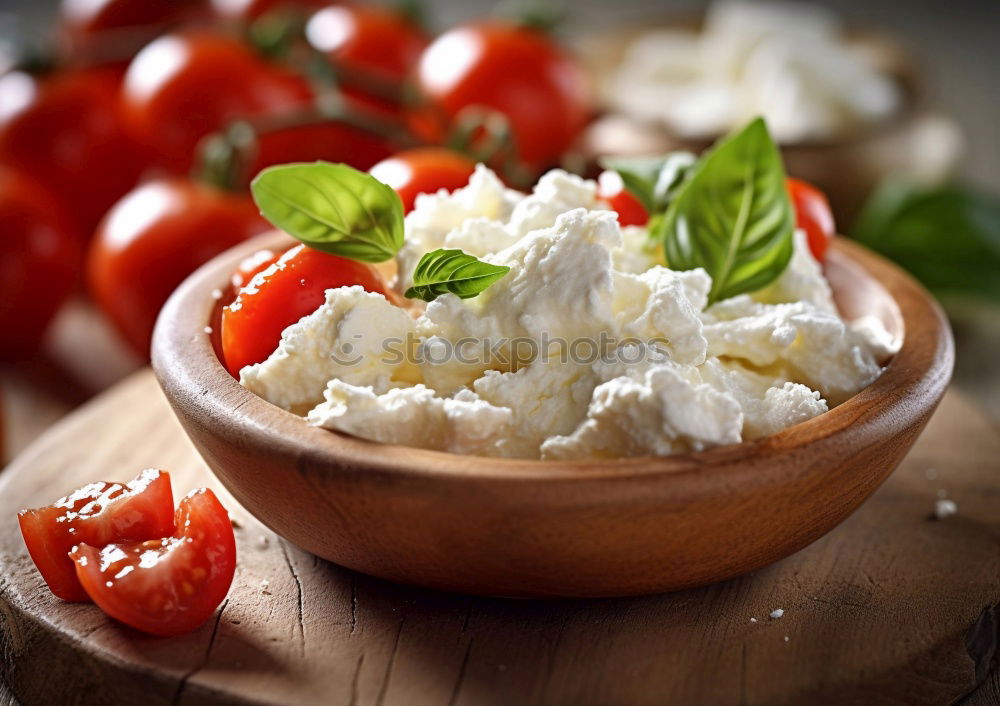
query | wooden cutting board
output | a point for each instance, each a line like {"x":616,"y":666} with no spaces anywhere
{"x":891,"y":607}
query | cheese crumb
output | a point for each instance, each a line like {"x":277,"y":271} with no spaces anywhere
{"x":944,"y":508}
{"x":777,"y":613}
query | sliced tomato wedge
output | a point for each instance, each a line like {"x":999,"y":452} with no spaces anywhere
{"x":165,"y":586}
{"x":281,"y":294}
{"x":97,"y":514}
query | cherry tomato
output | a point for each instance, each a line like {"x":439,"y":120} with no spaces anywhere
{"x":98,"y":514}
{"x":611,"y":188}
{"x":155,"y":237}
{"x":330,"y":142}
{"x":423,"y":170}
{"x":282,"y":294}
{"x":66,"y":132}
{"x":92,"y":27}
{"x":252,"y":9}
{"x":812,"y":214}
{"x":516,"y":70}
{"x":183,"y":87}
{"x":39,"y":261}
{"x":170,"y":584}
{"x":250,"y":266}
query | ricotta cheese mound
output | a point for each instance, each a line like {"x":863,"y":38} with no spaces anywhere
{"x":788,"y":62}
{"x":588,"y":347}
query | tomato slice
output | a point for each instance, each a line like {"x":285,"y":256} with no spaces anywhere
{"x":280,"y":295}
{"x":165,"y":586}
{"x":812,"y":214}
{"x":97,"y":513}
{"x":423,"y":170}
{"x":611,"y":188}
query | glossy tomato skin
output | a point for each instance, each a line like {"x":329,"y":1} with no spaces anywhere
{"x":813,"y":215}
{"x":98,"y":513}
{"x":423,"y":170}
{"x":165,"y":586}
{"x":611,"y":188}
{"x":40,"y":256}
{"x":520,"y":72}
{"x":155,"y":237}
{"x":65,"y":130}
{"x":183,"y":87}
{"x":282,"y":294}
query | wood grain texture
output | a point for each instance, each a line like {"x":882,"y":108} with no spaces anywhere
{"x":580,"y":528}
{"x":887,"y":609}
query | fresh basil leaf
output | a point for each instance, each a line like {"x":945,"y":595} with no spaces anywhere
{"x":452,"y":271}
{"x":332,"y":207}
{"x":653,"y":180}
{"x":733,"y":216}
{"x":948,"y":236}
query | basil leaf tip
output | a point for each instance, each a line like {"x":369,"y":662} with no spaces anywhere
{"x":732,"y":216}
{"x":332,"y":207}
{"x":449,"y":271}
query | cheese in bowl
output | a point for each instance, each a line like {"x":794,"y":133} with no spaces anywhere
{"x":537,"y":326}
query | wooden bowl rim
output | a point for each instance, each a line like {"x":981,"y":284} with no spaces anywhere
{"x":192,"y":376}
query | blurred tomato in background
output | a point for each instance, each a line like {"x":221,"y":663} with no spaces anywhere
{"x":39,"y":262}
{"x":183,"y":87}
{"x":152,"y":239}
{"x":64,"y":129}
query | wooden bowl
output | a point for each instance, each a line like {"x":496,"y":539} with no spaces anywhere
{"x":558,"y":528}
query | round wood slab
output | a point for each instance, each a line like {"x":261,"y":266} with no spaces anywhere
{"x":891,"y":607}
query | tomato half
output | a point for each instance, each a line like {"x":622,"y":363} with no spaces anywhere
{"x":170,"y":585}
{"x":155,"y":237}
{"x":183,"y":87}
{"x":280,"y":295}
{"x":65,"y":131}
{"x":518,"y":71}
{"x":423,"y":170}
{"x":98,"y":513}
{"x":812,"y":214}
{"x":39,"y":260}
{"x":611,"y":188}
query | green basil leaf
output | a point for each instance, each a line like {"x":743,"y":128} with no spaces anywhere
{"x":653,"y":180}
{"x":332,"y":207}
{"x":733,"y":216}
{"x":452,"y":271}
{"x":947,"y":236}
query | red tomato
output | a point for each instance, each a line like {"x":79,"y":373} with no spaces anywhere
{"x":165,"y":586}
{"x":516,"y":70}
{"x":611,"y":188}
{"x":66,"y":132}
{"x":99,"y":513}
{"x":39,"y":261}
{"x":282,"y":294}
{"x":423,"y":170}
{"x":89,"y":26}
{"x":368,"y":38}
{"x":250,"y":266}
{"x":154,"y":238}
{"x":330,"y":142}
{"x":183,"y":87}
{"x":368,"y":43}
{"x":252,"y":9}
{"x":812,"y":214}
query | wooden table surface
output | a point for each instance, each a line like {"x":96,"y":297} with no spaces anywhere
{"x":891,"y":607}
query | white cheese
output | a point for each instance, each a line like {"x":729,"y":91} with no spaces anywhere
{"x":588,"y":347}
{"x":787,"y":62}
